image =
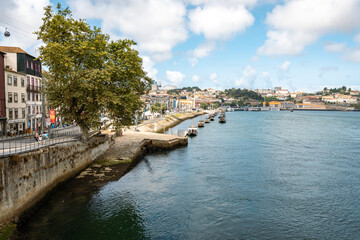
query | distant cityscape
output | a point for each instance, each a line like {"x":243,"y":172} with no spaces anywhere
{"x":188,"y":98}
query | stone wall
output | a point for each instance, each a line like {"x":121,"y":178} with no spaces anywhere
{"x":26,"y":178}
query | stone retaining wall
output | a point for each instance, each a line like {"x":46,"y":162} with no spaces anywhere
{"x":26,"y":178}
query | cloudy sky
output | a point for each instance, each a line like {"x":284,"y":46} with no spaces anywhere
{"x":296,"y":44}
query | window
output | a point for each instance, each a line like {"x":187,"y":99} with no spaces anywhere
{"x":15,"y":97}
{"x":10,"y":97}
{"x":40,"y":97}
{"x":23,"y":113}
{"x":16,"y":113}
{"x":39,"y":68}
{"x":29,"y":110}
{"x":33,"y":109}
{"x":22,"y":82}
{"x":32,"y":65}
{"x":10,"y":114}
{"x":15,"y":80}
{"x":37,"y":98}
{"x":35,"y":81}
{"x":33,"y":96}
{"x":36,"y":66}
{"x":28,"y":96}
{"x":23,"y":97}
{"x":9,"y":79}
{"x":28,"y":81}
{"x":37,"y":110}
{"x":27,"y":64}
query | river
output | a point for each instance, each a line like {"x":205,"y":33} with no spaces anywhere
{"x":262,"y":175}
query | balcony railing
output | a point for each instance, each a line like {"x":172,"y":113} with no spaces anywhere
{"x":33,"y":88}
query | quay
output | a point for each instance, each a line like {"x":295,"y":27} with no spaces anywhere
{"x":26,"y":178}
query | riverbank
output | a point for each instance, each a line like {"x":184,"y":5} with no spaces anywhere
{"x":122,"y":155}
{"x":160,"y":125}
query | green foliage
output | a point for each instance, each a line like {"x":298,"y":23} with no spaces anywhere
{"x":216,"y":105}
{"x":242,"y":93}
{"x":204,"y":105}
{"x":159,"y":108}
{"x":342,"y":90}
{"x":7,"y":231}
{"x":269,"y":99}
{"x":88,"y":74}
{"x":356,"y":106}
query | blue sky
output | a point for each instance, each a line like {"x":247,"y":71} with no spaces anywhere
{"x":296,"y":44}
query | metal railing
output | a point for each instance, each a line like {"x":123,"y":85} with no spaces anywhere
{"x":30,"y":143}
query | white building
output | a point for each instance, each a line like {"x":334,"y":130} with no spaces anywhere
{"x":15,"y":92}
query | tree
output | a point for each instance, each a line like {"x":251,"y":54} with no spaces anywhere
{"x":204,"y":105}
{"x":216,"y":105}
{"x":88,"y":74}
{"x":159,"y":108}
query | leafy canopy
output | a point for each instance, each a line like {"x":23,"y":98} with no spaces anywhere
{"x":88,"y":74}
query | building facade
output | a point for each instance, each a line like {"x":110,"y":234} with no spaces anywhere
{"x":15,"y":91}
{"x":2,"y":94}
{"x":27,"y":71}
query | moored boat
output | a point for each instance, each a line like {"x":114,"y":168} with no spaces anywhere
{"x":192,"y":131}
{"x":201,"y":123}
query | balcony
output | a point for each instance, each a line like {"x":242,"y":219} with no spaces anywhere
{"x":33,"y":88}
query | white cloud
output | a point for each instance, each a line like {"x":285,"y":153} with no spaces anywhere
{"x":213,"y":76}
{"x":249,"y":3}
{"x":334,"y":47}
{"x":265,"y":74}
{"x":22,"y":18}
{"x":175,"y":77}
{"x":357,"y":38}
{"x":248,"y":78}
{"x":352,"y":55}
{"x":218,"y":22}
{"x":249,"y":72}
{"x":148,"y":66}
{"x":298,"y":23}
{"x":193,"y":61}
{"x":240,"y":83}
{"x":285,"y":66}
{"x":195,"y":78}
{"x":157,"y":25}
{"x":204,"y":50}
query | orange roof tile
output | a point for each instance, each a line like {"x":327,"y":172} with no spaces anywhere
{"x":12,"y":50}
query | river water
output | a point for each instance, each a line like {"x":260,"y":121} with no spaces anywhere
{"x":262,"y":175}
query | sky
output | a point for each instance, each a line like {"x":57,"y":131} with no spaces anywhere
{"x":300,"y":45}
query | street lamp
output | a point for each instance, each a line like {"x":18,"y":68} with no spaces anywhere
{"x":6,"y":33}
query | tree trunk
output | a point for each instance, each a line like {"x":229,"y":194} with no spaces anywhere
{"x":85,"y":133}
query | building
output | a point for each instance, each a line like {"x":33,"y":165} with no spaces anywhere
{"x":23,"y":65}
{"x":169,"y":87}
{"x":2,"y":95}
{"x":15,"y":91}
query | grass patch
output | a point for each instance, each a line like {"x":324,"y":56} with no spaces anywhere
{"x":7,"y":231}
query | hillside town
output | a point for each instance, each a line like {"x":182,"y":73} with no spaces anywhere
{"x":185,"y":99}
{"x":24,"y":109}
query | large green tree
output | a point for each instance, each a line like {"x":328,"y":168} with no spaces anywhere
{"x":88,"y":74}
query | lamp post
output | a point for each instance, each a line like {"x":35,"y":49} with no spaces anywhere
{"x":6,"y":33}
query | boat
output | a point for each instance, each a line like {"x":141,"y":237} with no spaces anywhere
{"x":207,"y":120}
{"x":201,"y":123}
{"x":222,"y":119}
{"x":192,"y":131}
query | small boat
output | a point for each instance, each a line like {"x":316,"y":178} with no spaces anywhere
{"x":212,"y":119}
{"x":201,"y":123}
{"x":192,"y":131}
{"x":207,"y":120}
{"x":222,"y":119}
